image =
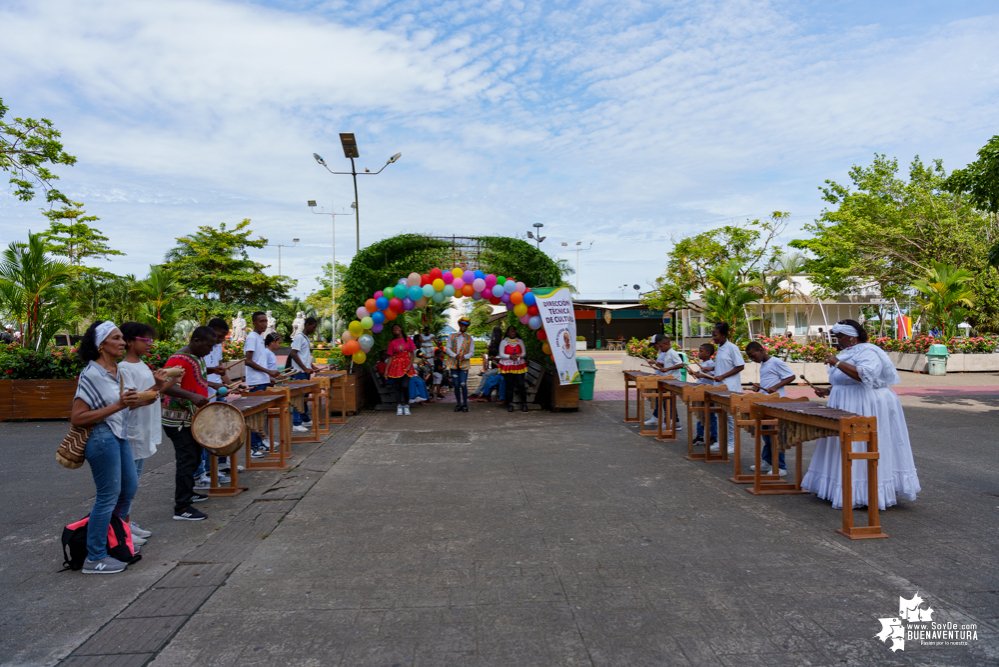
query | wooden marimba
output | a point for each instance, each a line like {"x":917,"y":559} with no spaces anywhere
{"x":336,"y":379}
{"x":254,"y":411}
{"x":801,"y":422}
{"x":280,"y":410}
{"x":300,"y":393}
{"x":692,"y":395}
{"x":650,"y":388}
{"x":631,"y":382}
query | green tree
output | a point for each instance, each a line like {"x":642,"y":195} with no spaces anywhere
{"x":776,"y":284}
{"x":693,"y":260}
{"x":980,"y":179}
{"x":727,"y":296}
{"x":478,"y":318}
{"x":71,"y":237}
{"x":213,"y":263}
{"x":945,"y":297}
{"x":161,"y":305}
{"x":30,"y":289}
{"x":27,"y":148}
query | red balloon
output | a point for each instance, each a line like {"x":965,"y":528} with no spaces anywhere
{"x":425,"y":279}
{"x":532,"y":310}
{"x":542,"y":335}
{"x":495,"y":300}
{"x":395,"y":303}
{"x":435,"y":274}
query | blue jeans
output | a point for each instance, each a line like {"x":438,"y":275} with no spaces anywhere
{"x":460,"y":386}
{"x":495,"y":381}
{"x":296,"y":416}
{"x":111,"y":463}
{"x":765,"y":454}
{"x":714,"y":428}
{"x":255,"y":439}
{"x":418,"y":388}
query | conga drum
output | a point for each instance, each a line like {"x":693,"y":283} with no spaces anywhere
{"x":218,"y":427}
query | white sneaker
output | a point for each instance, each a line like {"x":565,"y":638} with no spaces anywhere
{"x":782,"y":472}
{"x":202,"y":482}
{"x":300,"y":429}
{"x":258,"y":453}
{"x":714,"y":448}
{"x":652,"y":421}
{"x":763,"y":468}
{"x":138,"y":530}
{"x":398,"y":411}
{"x":405,"y":410}
{"x":679,"y":428}
{"x":138,"y":541}
{"x":731,"y":449}
{"x":307,"y":424}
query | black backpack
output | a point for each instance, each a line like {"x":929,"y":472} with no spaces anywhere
{"x":74,"y":543}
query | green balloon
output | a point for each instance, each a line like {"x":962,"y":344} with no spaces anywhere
{"x":500,"y":280}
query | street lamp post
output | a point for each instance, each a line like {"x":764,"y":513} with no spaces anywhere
{"x":350,"y":151}
{"x":279,"y":246}
{"x":539,"y":238}
{"x":578,"y":250}
{"x":312,"y":205}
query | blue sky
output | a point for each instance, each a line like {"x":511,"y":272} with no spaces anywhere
{"x":626,"y":123}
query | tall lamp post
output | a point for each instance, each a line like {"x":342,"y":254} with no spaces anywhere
{"x":312,"y":205}
{"x":279,"y":246}
{"x":537,"y":230}
{"x":350,"y":151}
{"x":578,"y":250}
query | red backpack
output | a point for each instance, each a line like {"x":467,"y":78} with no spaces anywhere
{"x":74,"y":543}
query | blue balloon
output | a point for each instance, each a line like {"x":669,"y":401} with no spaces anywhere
{"x":438,"y":297}
{"x":378,"y":317}
{"x":400,"y":291}
{"x":415,"y":293}
{"x":449,"y":291}
{"x":498,"y":291}
{"x":382,"y":302}
{"x":529,"y":299}
{"x":509,"y":287}
{"x":403,"y":281}
{"x":534,"y":322}
{"x":480,"y":274}
{"x":428,"y":291}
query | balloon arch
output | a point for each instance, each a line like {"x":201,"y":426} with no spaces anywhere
{"x":417,"y":291}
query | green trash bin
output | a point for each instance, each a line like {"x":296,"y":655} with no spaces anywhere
{"x":588,"y":374}
{"x":683,"y":370}
{"x":936,"y":359}
{"x":600,"y":343}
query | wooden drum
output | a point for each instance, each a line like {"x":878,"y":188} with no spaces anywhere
{"x":218,"y":427}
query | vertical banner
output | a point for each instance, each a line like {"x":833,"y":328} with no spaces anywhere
{"x":555,"y":308}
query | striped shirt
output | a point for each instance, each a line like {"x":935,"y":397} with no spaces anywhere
{"x":98,"y":389}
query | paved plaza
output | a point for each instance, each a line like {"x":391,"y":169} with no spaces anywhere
{"x":491,"y":538}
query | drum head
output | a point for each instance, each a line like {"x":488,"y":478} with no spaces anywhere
{"x":218,"y":427}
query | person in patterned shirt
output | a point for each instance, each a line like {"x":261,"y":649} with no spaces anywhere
{"x":460,"y":348}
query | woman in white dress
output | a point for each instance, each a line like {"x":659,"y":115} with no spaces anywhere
{"x":860,"y":376}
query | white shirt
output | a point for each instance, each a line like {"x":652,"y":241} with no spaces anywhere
{"x":727,"y":358}
{"x":255,"y":344}
{"x":772,"y":371}
{"x":669,"y":358}
{"x":144,"y":430}
{"x":99,"y":389}
{"x":302,"y":345}
{"x":706,"y":367}
{"x":213,"y":358}
{"x":270,"y":361}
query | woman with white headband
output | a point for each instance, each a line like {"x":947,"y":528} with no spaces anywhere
{"x":102,"y":401}
{"x":860,"y":376}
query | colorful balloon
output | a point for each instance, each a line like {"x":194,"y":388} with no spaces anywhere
{"x":391,"y":314}
{"x":449,"y":291}
{"x":495,"y":301}
{"x":546,"y":347}
{"x":516,"y":298}
{"x":509,"y":287}
{"x":377,"y":318}
{"x":402,"y":281}
{"x":480,"y":274}
{"x":367,"y":322}
{"x":421,"y":302}
{"x":496,"y":290}
{"x":359,"y":357}
{"x":500,"y":279}
{"x":346,"y":336}
{"x":427,"y":291}
{"x":504,"y":297}
{"x":408,"y":304}
{"x":377,"y":328}
{"x":438,"y":297}
{"x":382,"y":302}
{"x":542,"y":335}
{"x":521,"y":287}
{"x":414,"y":279}
{"x":396,"y":305}
{"x":366,"y":341}
{"x":389,"y":292}
{"x":438,"y":284}
{"x":435,"y":273}
{"x":534,"y":322}
{"x":529,"y":298}
{"x":379,"y":294}
{"x":525,"y":319}
{"x":457,"y":272}
{"x":361,"y":312}
{"x":371,"y":306}
{"x":355,"y":328}
{"x":520,"y":310}
{"x":448,"y":277}
{"x":490,"y":280}
{"x":425,"y":279}
{"x":467,"y":290}
{"x":479,"y":284}
{"x":533,"y":310}
{"x":350,"y":348}
{"x":415,"y":293}
{"x":458,"y":283}
{"x":400,"y":291}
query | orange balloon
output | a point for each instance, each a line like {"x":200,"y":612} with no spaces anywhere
{"x":370,"y":306}
{"x":468,"y":290}
{"x":516,"y":297}
{"x":390,"y":315}
{"x":350,"y":347}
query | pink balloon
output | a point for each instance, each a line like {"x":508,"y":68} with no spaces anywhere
{"x":448,"y":277}
{"x":458,"y":284}
{"x":525,"y":319}
{"x":379,"y":294}
{"x":490,"y":280}
{"x":361,"y":312}
{"x":478,"y":284}
{"x":521,"y":287}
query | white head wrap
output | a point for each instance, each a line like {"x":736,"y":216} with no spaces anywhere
{"x":845,"y":329}
{"x":103,"y":330}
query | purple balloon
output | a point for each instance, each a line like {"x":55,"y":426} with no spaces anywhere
{"x":408,"y":303}
{"x":525,"y":319}
{"x":377,"y":328}
{"x":505,"y":298}
{"x":476,"y":296}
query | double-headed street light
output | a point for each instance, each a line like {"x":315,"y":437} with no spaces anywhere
{"x":350,"y":151}
{"x":578,"y":250}
{"x":279,"y":246}
{"x":539,"y":238}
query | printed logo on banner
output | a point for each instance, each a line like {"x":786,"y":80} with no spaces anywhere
{"x":914,"y":623}
{"x":559,"y":321}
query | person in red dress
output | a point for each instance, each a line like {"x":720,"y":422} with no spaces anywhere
{"x":400,"y":368}
{"x":513,"y":366}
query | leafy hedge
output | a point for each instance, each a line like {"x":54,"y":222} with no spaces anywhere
{"x":920,"y":344}
{"x":63,"y":363}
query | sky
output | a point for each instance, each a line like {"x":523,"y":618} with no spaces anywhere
{"x":627,"y":123}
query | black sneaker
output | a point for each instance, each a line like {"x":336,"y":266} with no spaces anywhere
{"x":199,"y":498}
{"x":509,"y":408}
{"x":189,"y":514}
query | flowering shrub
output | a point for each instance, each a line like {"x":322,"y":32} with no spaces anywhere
{"x":921,"y":344}
{"x":232,"y":351}
{"x":791,"y":350}
{"x":641,"y":349}
{"x":58,"y":363}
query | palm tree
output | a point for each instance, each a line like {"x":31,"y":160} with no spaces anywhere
{"x":776,"y":284}
{"x":161,"y":305}
{"x":946,"y":297}
{"x":30,"y":289}
{"x":727,"y":297}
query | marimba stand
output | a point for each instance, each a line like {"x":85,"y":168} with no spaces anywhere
{"x":336,"y":379}
{"x":688,"y":392}
{"x":320,"y":403}
{"x":649,"y":388}
{"x":280,"y":410}
{"x":631,"y":382}
{"x":770,"y":484}
{"x":718,"y":399}
{"x":308,"y":391}
{"x":739,"y":408}
{"x":851,"y":428}
{"x":248,"y":406}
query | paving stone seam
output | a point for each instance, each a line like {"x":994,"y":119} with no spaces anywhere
{"x":347,"y":435}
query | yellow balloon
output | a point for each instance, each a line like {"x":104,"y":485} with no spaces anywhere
{"x":438,"y":285}
{"x":520,"y":310}
{"x":544,"y":346}
{"x":457,"y":273}
{"x":355,"y":328}
{"x":359,"y":357}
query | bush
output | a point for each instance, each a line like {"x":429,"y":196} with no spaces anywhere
{"x":59,"y":363}
{"x":641,"y":349}
{"x":921,"y":344}
{"x":580,"y":338}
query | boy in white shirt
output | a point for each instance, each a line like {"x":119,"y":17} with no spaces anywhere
{"x":728,"y":365}
{"x":258,"y":377}
{"x":300,"y":359}
{"x":667,"y":361}
{"x":774,"y":376}
{"x":703,"y":375}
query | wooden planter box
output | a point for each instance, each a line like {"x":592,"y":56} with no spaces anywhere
{"x":562,"y":396}
{"x":355,"y":396}
{"x":36,"y":399}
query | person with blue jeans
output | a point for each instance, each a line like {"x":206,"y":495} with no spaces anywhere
{"x":460,"y":348}
{"x":257,"y":375}
{"x":706,"y":368}
{"x":300,"y":359}
{"x":101,"y":402}
{"x":667,"y":361}
{"x":774,"y":376}
{"x":492,"y":379}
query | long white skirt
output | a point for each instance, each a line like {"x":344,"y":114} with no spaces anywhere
{"x":896,"y":470}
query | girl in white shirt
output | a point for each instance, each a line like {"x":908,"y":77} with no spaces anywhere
{"x":272,"y":344}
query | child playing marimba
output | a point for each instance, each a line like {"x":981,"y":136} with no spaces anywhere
{"x":774,"y":376}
